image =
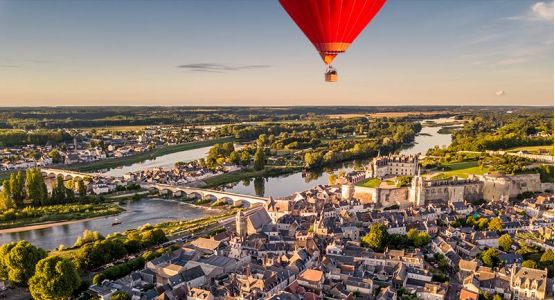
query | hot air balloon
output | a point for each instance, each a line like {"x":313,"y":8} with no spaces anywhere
{"x":331,"y":25}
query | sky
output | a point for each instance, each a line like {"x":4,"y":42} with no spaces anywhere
{"x":249,"y":52}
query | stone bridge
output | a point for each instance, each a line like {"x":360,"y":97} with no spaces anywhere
{"x":205,"y":194}
{"x":163,"y":189}
{"x":68,"y":174}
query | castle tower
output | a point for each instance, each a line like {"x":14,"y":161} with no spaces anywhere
{"x":241,"y":224}
{"x":416,"y":192}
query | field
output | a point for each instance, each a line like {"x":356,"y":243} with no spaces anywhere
{"x":370,"y":182}
{"x":459,"y":169}
{"x":123,"y":161}
{"x":532,"y":149}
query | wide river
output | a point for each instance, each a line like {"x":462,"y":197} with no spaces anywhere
{"x":137,"y":213}
{"x":156,"y":211}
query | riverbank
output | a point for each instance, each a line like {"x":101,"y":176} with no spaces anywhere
{"x":55,"y":215}
{"x":46,"y":225}
{"x":129,"y":160}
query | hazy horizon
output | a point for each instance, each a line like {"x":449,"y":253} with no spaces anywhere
{"x":249,"y":53}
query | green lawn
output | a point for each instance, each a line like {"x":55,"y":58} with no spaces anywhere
{"x":459,"y":169}
{"x":532,"y":149}
{"x":370,"y":182}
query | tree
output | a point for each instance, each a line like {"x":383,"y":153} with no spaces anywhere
{"x":505,"y":242}
{"x":59,"y":190}
{"x":6,"y":202}
{"x":16,"y":189}
{"x":234,"y":158}
{"x":259,"y":159}
{"x":55,"y":278}
{"x":120,"y":296}
{"x":376,"y":237}
{"x":418,"y":238}
{"x":35,"y":187}
{"x":55,"y":156}
{"x":490,"y":257}
{"x":495,"y":225}
{"x":20,"y":262}
{"x":481,"y":224}
{"x":547,"y":257}
{"x":529,"y":264}
{"x":245,"y":158}
{"x":4,"y":250}
{"x":81,"y":189}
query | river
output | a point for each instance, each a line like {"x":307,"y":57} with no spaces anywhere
{"x":164,"y":161}
{"x":137,"y":213}
{"x":285,"y":185}
{"x":155,"y":211}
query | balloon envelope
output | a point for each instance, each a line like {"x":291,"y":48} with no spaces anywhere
{"x":332,"y":25}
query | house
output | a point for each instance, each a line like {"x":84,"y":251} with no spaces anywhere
{"x":199,"y":294}
{"x":468,"y":295}
{"x":312,"y":280}
{"x":528,"y":283}
{"x":433,"y":291}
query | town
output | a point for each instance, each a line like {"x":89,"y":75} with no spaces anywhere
{"x":472,"y":219}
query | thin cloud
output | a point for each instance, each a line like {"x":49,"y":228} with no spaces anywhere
{"x":539,"y":11}
{"x":11,"y":66}
{"x":219,"y":68}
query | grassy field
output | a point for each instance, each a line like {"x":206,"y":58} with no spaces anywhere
{"x":244,"y":174}
{"x":123,"y":161}
{"x":459,"y":169}
{"x":370,"y":182}
{"x":532,"y":149}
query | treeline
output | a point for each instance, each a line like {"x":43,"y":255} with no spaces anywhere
{"x":58,"y":276}
{"x":503,"y":131}
{"x":29,"y":189}
{"x":10,"y":138}
{"x":390,"y":138}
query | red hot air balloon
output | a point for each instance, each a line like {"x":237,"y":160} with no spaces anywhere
{"x":331,"y":25}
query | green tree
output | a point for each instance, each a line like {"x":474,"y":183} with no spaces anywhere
{"x":59,"y":190}
{"x":17,"y":188}
{"x":529,"y":264}
{"x":505,"y":242}
{"x":376,"y":238}
{"x":547,"y":257}
{"x":120,"y":296}
{"x":259,"y":159}
{"x":35,"y":187}
{"x":6,"y":202}
{"x":490,"y":257}
{"x":4,"y":250}
{"x":20,"y":262}
{"x":81,"y":189}
{"x":497,"y":297}
{"x":55,"y":156}
{"x":495,"y":224}
{"x":245,"y":158}
{"x":55,"y":278}
{"x":481,"y":224}
{"x":234,"y":158}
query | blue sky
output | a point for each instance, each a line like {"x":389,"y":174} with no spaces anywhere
{"x":250,"y":53}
